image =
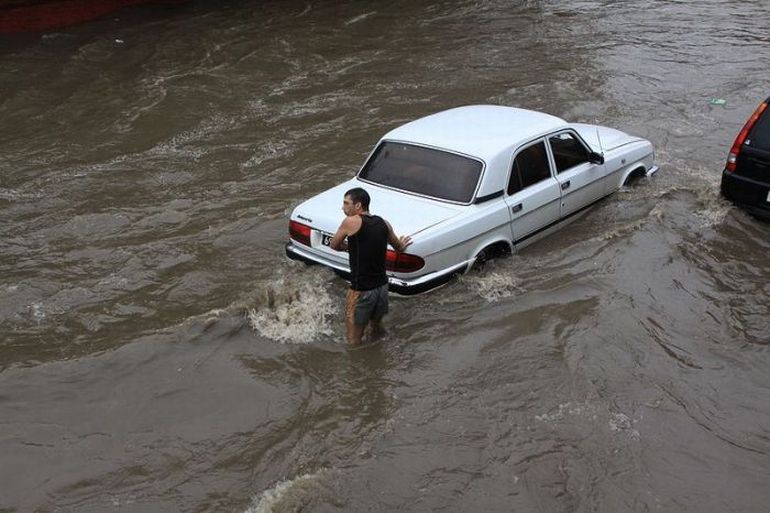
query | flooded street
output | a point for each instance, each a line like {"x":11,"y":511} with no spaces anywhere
{"x":158,"y":351}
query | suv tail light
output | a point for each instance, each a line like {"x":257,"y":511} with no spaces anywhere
{"x":299,"y":232}
{"x":732,"y":157}
{"x":402,"y":262}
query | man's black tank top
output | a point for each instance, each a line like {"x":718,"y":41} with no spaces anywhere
{"x":366,"y":251}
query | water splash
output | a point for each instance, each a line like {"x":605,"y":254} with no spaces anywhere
{"x":703,"y":181}
{"x":294,"y":309}
{"x":711,"y":217}
{"x":288,"y":495}
{"x":494,"y":286}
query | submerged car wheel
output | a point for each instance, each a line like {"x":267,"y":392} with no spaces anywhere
{"x":488,"y":253}
{"x":635,"y":176}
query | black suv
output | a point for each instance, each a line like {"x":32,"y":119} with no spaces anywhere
{"x":746,"y":178}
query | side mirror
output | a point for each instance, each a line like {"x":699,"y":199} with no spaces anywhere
{"x":595,"y":158}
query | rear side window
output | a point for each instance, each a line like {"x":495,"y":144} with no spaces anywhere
{"x":529,"y":167}
{"x":759,"y":137}
{"x":567,"y":150}
{"x":426,"y":171}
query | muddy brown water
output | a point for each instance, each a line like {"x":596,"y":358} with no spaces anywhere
{"x":160,"y":353}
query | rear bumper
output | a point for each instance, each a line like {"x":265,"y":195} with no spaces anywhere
{"x":402,"y":286}
{"x":748,"y":194}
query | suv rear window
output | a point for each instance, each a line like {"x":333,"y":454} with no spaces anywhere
{"x":435,"y":173}
{"x":759,"y":137}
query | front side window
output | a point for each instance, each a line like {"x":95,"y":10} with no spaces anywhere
{"x":425,"y":171}
{"x":529,"y":167}
{"x":567,"y":150}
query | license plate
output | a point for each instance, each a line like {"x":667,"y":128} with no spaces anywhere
{"x":326,"y":238}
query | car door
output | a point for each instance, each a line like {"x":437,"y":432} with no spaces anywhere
{"x":581,"y":181}
{"x":533,"y":194}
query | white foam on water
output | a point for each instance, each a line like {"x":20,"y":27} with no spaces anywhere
{"x":208,"y":319}
{"x":113,"y":280}
{"x":186,"y":144}
{"x":568,"y":409}
{"x":621,"y":230}
{"x":37,"y":312}
{"x":709,"y":208}
{"x":93,"y":225}
{"x":715,"y":216}
{"x":16,"y":195}
{"x":286,"y":496}
{"x":704,"y":182}
{"x":294,"y":309}
{"x":269,"y":151}
{"x":622,"y":423}
{"x":360,"y":17}
{"x":619,"y":422}
{"x":493,"y":286}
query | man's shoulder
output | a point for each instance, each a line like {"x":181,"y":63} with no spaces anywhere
{"x":352,"y":224}
{"x":354,"y":219}
{"x":384,"y":222}
{"x":377,"y":220}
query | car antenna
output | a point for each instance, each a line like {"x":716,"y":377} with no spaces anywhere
{"x":599,"y":139}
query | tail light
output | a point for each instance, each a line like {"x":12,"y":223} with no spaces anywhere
{"x":299,"y":232}
{"x":732,"y":157}
{"x":403,"y":262}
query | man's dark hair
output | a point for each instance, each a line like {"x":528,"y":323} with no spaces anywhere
{"x":359,"y":195}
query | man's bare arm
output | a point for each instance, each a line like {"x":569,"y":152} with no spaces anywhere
{"x":398,"y":243}
{"x":349,"y":226}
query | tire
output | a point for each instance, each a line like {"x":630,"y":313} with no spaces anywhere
{"x":482,"y":258}
{"x":488,"y":253}
{"x":634,"y":177}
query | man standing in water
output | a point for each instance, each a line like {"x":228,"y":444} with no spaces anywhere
{"x":367,"y":242}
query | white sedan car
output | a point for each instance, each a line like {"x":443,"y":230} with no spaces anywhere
{"x":470,"y":183}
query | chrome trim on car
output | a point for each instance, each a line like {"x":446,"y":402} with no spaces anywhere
{"x":296,"y":252}
{"x":403,"y":286}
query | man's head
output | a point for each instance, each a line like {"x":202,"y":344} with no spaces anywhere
{"x":356,"y":201}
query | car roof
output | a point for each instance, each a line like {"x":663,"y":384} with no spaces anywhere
{"x":481,"y":131}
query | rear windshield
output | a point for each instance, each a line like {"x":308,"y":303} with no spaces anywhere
{"x":435,"y":173}
{"x":759,"y":137}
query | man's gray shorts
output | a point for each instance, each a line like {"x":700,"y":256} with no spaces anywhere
{"x":366,"y":305}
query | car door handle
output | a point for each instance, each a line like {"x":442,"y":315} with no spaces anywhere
{"x":516,"y":208}
{"x":565,"y":185}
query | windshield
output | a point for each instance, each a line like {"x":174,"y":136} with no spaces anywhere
{"x":435,"y":173}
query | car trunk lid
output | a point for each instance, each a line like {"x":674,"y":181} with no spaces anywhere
{"x":408,"y":214}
